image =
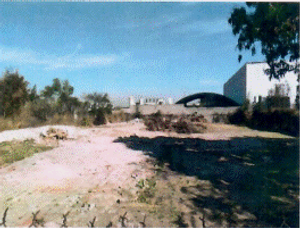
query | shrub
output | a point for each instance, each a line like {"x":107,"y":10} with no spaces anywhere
{"x":6,"y":124}
{"x":158,"y":114}
{"x":100,"y":117}
{"x":220,"y":118}
{"x":67,"y":119}
{"x":157,"y":122}
{"x":245,"y":106}
{"x":137,"y":114}
{"x":40,"y":109}
{"x":286,"y":121}
{"x":86,"y":121}
{"x":117,"y":116}
{"x":183,"y":126}
{"x":197,"y":118}
{"x":239,"y":117}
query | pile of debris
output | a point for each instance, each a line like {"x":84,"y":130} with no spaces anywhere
{"x":180,"y":124}
{"x":54,"y":133}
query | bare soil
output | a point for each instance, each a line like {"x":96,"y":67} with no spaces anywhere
{"x":97,"y":172}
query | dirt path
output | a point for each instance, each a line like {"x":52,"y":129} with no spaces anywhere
{"x":87,"y":176}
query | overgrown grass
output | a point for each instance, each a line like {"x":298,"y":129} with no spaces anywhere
{"x":284,"y":121}
{"x":147,"y":190}
{"x":18,"y":150}
{"x":26,"y":120}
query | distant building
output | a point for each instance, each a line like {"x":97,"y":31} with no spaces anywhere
{"x":251,"y":82}
{"x":149,"y":101}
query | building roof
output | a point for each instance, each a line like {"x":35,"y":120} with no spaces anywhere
{"x":211,"y":100}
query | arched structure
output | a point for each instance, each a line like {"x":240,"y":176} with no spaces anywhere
{"x":207,"y":100}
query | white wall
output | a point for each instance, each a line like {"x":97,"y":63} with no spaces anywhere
{"x":258,"y":83}
{"x":179,"y":109}
{"x":235,"y":87}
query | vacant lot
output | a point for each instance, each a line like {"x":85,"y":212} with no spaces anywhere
{"x":121,"y":174}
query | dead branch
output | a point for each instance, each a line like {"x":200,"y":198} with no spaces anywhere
{"x":144,"y":222}
{"x":92,"y":223}
{"x":65,"y":220}
{"x":36,"y":222}
{"x":284,"y":224}
{"x":4,"y":218}
{"x":122,"y":219}
{"x":109,"y":224}
{"x":203,"y":220}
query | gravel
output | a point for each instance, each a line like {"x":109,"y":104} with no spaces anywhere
{"x":34,"y":133}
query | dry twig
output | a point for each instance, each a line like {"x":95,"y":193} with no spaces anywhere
{"x":65,"y":220}
{"x":122,"y":219}
{"x":203,"y":220}
{"x":92,"y":223}
{"x":36,"y":222}
{"x":109,"y":224}
{"x":4,"y":218}
{"x":144,"y":222}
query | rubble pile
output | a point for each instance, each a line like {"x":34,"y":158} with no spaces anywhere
{"x":54,"y":133}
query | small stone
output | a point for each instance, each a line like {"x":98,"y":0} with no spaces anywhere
{"x":118,"y":201}
{"x":222,"y":159}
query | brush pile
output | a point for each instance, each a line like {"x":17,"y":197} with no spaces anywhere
{"x":180,"y":124}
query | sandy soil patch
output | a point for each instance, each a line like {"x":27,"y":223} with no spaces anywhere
{"x":88,"y":175}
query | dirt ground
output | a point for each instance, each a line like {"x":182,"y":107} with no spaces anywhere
{"x":106,"y":174}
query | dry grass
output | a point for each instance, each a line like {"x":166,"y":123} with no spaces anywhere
{"x":25,"y":121}
{"x":18,"y":150}
{"x":118,"y":117}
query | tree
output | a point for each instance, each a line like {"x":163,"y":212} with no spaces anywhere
{"x":276,"y":27}
{"x":32,"y":94}
{"x":60,"y":95}
{"x":54,"y":91}
{"x":99,"y":102}
{"x":99,"y":106}
{"x":279,"y":96}
{"x":13,"y":93}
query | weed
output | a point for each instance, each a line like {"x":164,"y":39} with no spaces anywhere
{"x":174,"y":212}
{"x":147,"y":190}
{"x":142,"y":198}
{"x":141,"y":184}
{"x":151,"y":183}
{"x":18,"y":150}
{"x":161,"y":216}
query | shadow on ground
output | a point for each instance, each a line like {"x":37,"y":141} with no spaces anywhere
{"x":254,"y":181}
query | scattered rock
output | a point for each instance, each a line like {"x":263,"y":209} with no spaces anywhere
{"x":56,"y":133}
{"x":222,"y":159}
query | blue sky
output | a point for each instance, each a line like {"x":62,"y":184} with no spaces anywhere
{"x":142,"y":49}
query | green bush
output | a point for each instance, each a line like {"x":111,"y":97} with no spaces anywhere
{"x":100,"y":117}
{"x":41,"y":109}
{"x":239,"y":117}
{"x":86,"y":121}
{"x":285,"y":121}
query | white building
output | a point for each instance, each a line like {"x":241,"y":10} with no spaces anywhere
{"x":150,"y":101}
{"x":251,"y":82}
